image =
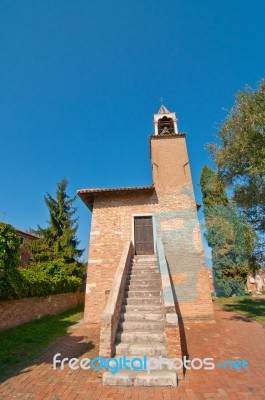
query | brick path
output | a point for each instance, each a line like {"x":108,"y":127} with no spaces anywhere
{"x":231,"y":337}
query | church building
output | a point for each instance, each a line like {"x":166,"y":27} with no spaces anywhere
{"x":146,"y":270}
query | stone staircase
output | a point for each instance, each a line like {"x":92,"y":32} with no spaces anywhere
{"x":141,"y":329}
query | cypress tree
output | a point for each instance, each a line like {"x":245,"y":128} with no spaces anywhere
{"x":227,"y":234}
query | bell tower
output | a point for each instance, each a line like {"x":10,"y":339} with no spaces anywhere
{"x":165,"y":122}
{"x":170,"y":162}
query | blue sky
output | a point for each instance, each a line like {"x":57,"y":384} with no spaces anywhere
{"x":80,"y":81}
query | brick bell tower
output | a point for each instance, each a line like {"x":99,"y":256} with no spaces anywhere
{"x":170,"y":162}
{"x":176,"y":220}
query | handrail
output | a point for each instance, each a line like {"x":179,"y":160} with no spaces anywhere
{"x":111,"y":315}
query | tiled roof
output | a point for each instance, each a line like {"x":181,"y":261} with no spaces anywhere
{"x":29,"y":234}
{"x":87,"y":195}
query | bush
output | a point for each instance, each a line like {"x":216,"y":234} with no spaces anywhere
{"x":227,"y":287}
{"x":30,"y":282}
{"x":9,"y":247}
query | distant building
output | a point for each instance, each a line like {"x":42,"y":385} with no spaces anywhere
{"x":25,"y":238}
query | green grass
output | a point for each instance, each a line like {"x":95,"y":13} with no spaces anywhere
{"x":253,"y":308}
{"x":25,"y":342}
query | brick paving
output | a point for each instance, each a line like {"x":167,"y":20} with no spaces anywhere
{"x":231,"y":337}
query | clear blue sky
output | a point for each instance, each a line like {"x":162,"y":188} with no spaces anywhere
{"x":80,"y":81}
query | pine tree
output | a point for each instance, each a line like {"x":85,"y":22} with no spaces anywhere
{"x":58,"y":240}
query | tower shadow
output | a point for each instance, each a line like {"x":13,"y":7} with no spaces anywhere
{"x":182,"y":334}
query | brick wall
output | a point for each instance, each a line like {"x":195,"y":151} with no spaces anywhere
{"x":17,"y":312}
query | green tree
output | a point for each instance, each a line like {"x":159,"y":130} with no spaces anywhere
{"x":240,"y":154}
{"x":227,"y":234}
{"x":58,"y":241}
{"x":9,"y":247}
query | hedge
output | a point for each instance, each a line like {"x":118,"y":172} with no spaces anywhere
{"x":18,"y":283}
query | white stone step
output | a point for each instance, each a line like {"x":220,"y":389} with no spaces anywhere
{"x":142,"y":308}
{"x":142,"y":259}
{"x":143,"y":286}
{"x":141,"y":378}
{"x":140,"y":337}
{"x":142,"y":316}
{"x":149,"y":294}
{"x":145,"y":280}
{"x":140,"y":300}
{"x":141,"y":325}
{"x":140,"y":349}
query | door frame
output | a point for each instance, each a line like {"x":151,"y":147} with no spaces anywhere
{"x":132,"y":227}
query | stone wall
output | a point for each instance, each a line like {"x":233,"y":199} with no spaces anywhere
{"x":17,"y":312}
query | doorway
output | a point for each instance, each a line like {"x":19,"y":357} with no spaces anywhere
{"x":143,"y":235}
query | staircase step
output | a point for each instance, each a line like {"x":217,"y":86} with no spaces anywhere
{"x":140,"y":337}
{"x":141,"y":378}
{"x":145,"y":279}
{"x":145,"y":269}
{"x":147,"y":294}
{"x":144,"y":258}
{"x":141,"y":300}
{"x":142,"y":286}
{"x":140,"y":349}
{"x":141,"y":316}
{"x":143,"y":308}
{"x":141,"y":325}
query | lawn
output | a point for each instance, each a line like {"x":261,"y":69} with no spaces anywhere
{"x":26,"y":342}
{"x":253,"y":308}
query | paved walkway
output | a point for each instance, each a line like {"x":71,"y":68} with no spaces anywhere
{"x":231,"y":337}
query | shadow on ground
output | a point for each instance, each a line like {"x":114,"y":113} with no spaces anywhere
{"x":249,"y":308}
{"x":69,"y":346}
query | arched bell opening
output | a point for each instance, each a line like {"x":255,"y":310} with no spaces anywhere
{"x":165,"y":126}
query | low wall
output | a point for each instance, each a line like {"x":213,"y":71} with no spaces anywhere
{"x":17,"y":312}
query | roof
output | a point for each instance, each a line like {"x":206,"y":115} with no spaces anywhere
{"x":28,"y":234}
{"x":88,"y":195}
{"x":163,"y":110}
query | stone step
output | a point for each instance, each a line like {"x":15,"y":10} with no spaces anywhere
{"x":142,"y":293}
{"x":141,"y":349}
{"x":146,"y":281}
{"x":142,"y":308}
{"x":144,"y":262}
{"x":140,"y":337}
{"x":144,"y":277}
{"x":140,"y":286}
{"x":141,"y":378}
{"x":145,"y":269}
{"x":144,"y":258}
{"x":151,"y":263}
{"x":141,"y":316}
{"x":141,"y":325}
{"x":140,"y":300}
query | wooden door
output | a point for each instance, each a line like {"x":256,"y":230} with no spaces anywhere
{"x":143,"y":232}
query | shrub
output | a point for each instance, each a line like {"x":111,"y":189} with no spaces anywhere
{"x":30,"y":282}
{"x":9,"y":247}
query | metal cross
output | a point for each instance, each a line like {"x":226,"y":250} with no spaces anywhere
{"x":161,"y":100}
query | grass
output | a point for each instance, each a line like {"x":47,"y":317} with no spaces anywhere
{"x":26,"y":342}
{"x":253,"y":308}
